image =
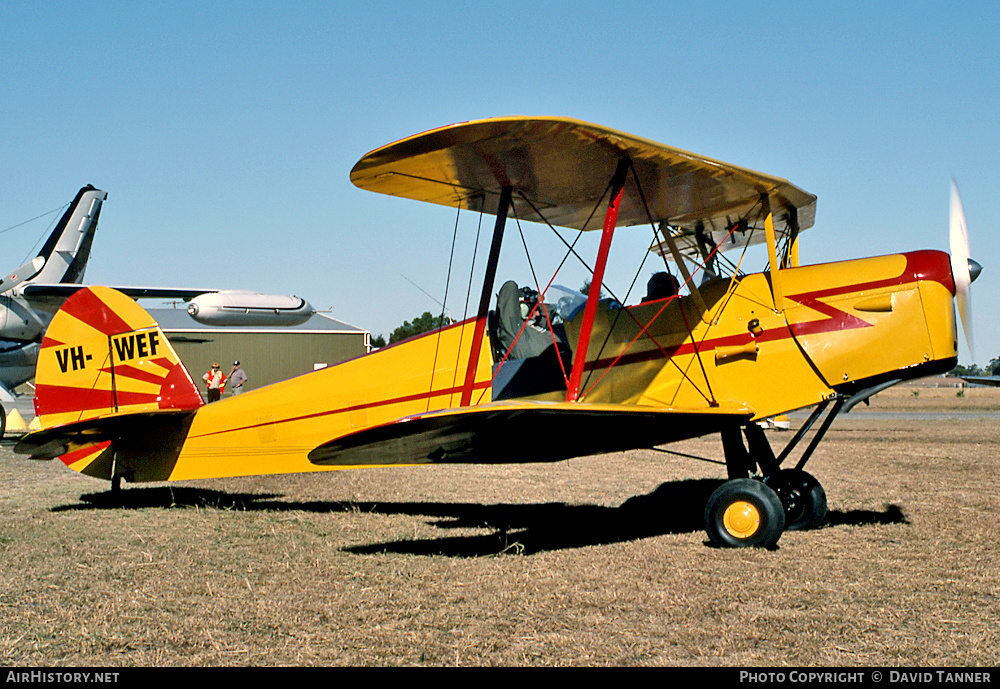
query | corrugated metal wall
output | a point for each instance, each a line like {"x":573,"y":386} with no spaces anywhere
{"x":266,"y":357}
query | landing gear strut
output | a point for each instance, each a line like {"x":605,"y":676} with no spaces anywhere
{"x":761,"y":500}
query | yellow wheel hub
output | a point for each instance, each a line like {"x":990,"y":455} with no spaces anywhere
{"x":741,"y":519}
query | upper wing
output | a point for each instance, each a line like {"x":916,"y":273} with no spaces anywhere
{"x":560,"y":168}
{"x":515,"y":432}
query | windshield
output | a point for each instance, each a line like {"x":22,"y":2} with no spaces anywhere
{"x":566,"y":302}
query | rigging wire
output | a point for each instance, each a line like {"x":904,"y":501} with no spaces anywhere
{"x":571,"y":250}
{"x":541,"y":300}
{"x":54,"y":210}
{"x":45,"y":232}
{"x":643,"y":328}
{"x":684,"y":454}
{"x":713,"y":254}
{"x":468,"y":295}
{"x":444,"y":303}
{"x":472,"y":270}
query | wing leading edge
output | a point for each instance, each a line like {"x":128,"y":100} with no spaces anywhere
{"x":520,"y":432}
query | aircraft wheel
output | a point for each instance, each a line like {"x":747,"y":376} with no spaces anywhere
{"x":802,"y":496}
{"x":3,"y":420}
{"x":744,"y":513}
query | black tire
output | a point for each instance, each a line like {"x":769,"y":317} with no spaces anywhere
{"x":744,"y":513}
{"x":802,"y":496}
{"x":3,"y":420}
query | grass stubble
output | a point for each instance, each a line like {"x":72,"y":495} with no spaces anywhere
{"x":596,"y":561}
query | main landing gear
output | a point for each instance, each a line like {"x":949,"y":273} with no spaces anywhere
{"x":761,"y":500}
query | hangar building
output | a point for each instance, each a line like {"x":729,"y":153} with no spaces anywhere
{"x":267,"y":354}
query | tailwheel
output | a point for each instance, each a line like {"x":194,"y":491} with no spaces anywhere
{"x":802,"y":496}
{"x":744,"y":513}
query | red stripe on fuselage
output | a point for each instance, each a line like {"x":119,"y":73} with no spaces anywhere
{"x":357,"y":407}
{"x":920,"y":265}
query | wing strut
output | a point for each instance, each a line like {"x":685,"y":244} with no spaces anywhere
{"x":610,"y":219}
{"x":664,"y":231}
{"x":484,"y":299}
{"x":772,"y":254}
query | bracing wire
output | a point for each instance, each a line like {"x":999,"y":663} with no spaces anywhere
{"x":468,"y":296}
{"x":45,"y":233}
{"x":444,"y":303}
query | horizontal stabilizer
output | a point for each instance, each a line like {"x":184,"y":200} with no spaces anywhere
{"x":22,"y":274}
{"x":515,"y":432}
{"x":50,"y":443}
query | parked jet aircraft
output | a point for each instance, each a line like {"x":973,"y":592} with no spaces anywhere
{"x":983,"y":380}
{"x":30,"y":295}
{"x":593,"y":375}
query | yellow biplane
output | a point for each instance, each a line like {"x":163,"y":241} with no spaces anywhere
{"x":543,"y":374}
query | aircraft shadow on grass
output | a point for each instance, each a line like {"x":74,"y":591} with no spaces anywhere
{"x":672,"y":508}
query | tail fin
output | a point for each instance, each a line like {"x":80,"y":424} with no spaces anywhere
{"x":104,"y":355}
{"x":67,"y":249}
{"x":111,"y":395}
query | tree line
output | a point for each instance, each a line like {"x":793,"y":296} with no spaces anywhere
{"x":423,"y":323}
{"x":991,"y":369}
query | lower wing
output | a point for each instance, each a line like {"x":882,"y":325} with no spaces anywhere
{"x":514,"y":432}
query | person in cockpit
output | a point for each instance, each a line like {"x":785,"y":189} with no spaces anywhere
{"x":660,"y":286}
{"x":513,"y":309}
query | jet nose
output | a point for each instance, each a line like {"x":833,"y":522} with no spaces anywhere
{"x":974,"y":270}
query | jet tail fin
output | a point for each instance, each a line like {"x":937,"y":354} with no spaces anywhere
{"x":67,"y":250}
{"x":103,"y":358}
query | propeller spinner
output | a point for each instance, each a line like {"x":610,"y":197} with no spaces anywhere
{"x":963,"y":269}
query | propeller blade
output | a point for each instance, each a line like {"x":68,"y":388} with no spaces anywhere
{"x":960,"y":266}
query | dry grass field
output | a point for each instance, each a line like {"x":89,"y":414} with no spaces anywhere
{"x":595,"y":561}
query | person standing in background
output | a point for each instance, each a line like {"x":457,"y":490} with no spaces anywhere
{"x":237,"y":378}
{"x":215,"y":382}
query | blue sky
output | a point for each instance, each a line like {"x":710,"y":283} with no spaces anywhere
{"x":224,"y":133}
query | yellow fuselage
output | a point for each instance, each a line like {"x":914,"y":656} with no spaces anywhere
{"x":838,"y":328}
{"x":839,"y":324}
